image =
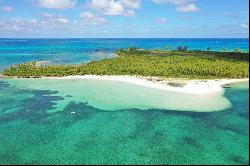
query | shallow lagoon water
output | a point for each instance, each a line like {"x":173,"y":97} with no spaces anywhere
{"x":116,"y":95}
{"x":48,"y":124}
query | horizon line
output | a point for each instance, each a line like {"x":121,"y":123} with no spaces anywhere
{"x":123,"y":38}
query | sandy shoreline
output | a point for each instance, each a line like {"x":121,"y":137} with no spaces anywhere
{"x":198,"y":87}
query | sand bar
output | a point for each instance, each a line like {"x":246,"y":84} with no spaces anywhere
{"x":198,"y":87}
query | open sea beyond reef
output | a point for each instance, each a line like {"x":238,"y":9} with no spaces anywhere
{"x":48,"y":121}
{"x":74,"y":51}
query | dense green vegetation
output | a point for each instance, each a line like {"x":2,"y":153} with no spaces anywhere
{"x":170,"y":64}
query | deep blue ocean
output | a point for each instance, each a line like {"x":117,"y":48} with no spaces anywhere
{"x":72,"y":51}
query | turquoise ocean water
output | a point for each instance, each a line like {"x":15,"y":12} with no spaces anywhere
{"x":65,"y":51}
{"x":106,"y":122}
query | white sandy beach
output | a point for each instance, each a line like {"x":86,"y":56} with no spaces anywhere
{"x":198,"y":87}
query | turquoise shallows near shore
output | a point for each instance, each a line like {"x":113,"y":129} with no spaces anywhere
{"x":82,"y":134}
{"x":115,"y":95}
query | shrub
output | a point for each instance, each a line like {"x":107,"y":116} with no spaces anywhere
{"x":180,"y":48}
{"x":237,"y":50}
{"x":185,"y":48}
{"x":132,"y":49}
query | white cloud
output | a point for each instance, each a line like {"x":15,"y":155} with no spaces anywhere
{"x":115,"y":7}
{"x":58,"y":19}
{"x":132,"y":3}
{"x":174,"y":2}
{"x":187,"y":8}
{"x":63,"y":20}
{"x":90,"y":19}
{"x":161,"y":20}
{"x":57,"y":4}
{"x":6,"y":9}
{"x":232,"y":15}
{"x":47,"y":23}
{"x":17,"y":25}
{"x":181,"y":5}
{"x":181,"y":29}
{"x":47,"y":15}
{"x":232,"y":30}
{"x":245,"y":26}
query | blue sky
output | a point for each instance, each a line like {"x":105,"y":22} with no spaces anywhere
{"x":124,"y":18}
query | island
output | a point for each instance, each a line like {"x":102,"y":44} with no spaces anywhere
{"x":197,"y":72}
